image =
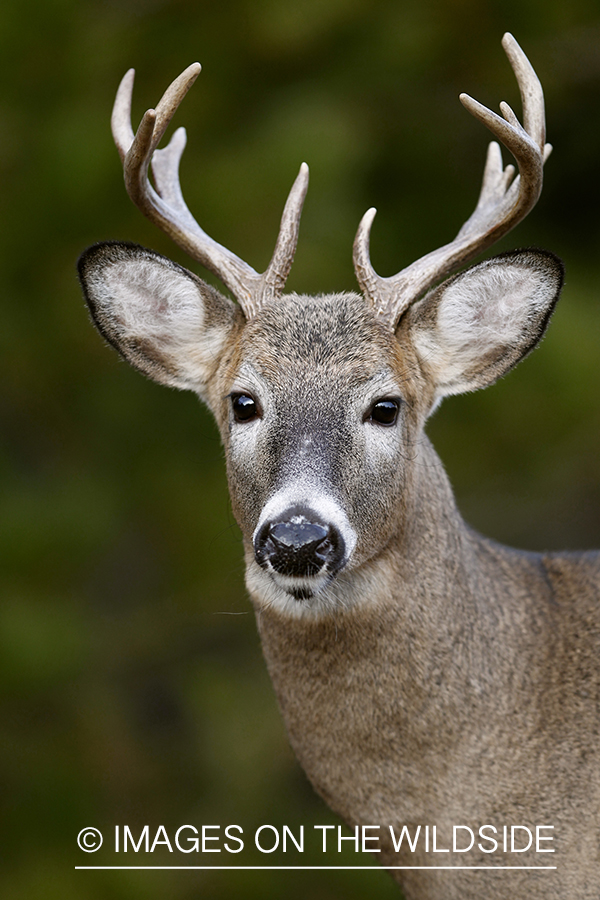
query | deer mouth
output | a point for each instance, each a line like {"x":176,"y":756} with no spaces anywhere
{"x":300,"y":588}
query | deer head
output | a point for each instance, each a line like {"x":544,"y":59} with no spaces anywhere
{"x":321,"y":401}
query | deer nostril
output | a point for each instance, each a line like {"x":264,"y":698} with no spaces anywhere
{"x":297,"y":547}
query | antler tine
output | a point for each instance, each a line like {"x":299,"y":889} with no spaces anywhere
{"x":166,"y":206}
{"x":532,"y":94}
{"x":275,"y":275}
{"x":503,"y":201}
{"x":121,"y":115}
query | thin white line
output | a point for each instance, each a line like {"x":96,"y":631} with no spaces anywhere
{"x":287,"y":868}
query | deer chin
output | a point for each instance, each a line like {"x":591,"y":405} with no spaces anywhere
{"x":301,"y":587}
{"x":313,"y":596}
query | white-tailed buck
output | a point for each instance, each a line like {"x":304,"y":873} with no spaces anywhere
{"x":428,"y":677}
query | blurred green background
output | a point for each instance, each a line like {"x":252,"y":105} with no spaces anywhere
{"x":134,"y":689}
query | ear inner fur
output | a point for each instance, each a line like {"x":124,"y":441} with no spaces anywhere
{"x":476,"y":326}
{"x":162,"y":318}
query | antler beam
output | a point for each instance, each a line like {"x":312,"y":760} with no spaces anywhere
{"x":503,"y":202}
{"x":164,"y":205}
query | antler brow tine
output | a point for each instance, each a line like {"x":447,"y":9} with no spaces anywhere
{"x":164,"y":203}
{"x":503,"y":202}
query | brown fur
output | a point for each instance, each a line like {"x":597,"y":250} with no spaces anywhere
{"x":450,"y":681}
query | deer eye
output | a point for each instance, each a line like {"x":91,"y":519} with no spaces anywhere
{"x":244,"y":407}
{"x":384,"y":412}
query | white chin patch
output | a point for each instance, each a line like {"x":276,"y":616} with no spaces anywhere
{"x":295,"y":597}
{"x":300,"y":588}
{"x":362,"y":587}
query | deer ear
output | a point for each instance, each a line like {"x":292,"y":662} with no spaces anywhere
{"x":163,"y":319}
{"x":476,"y":326}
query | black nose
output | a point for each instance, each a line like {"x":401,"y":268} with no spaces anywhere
{"x":298,"y":544}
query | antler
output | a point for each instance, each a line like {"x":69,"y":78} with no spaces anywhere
{"x":164,"y":203}
{"x":503,"y":201}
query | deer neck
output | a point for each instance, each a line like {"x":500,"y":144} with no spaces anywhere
{"x":407,"y":605}
{"x":407,"y":678}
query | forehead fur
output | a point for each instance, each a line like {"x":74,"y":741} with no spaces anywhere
{"x":333,"y":331}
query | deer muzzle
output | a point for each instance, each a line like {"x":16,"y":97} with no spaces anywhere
{"x":298,"y":544}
